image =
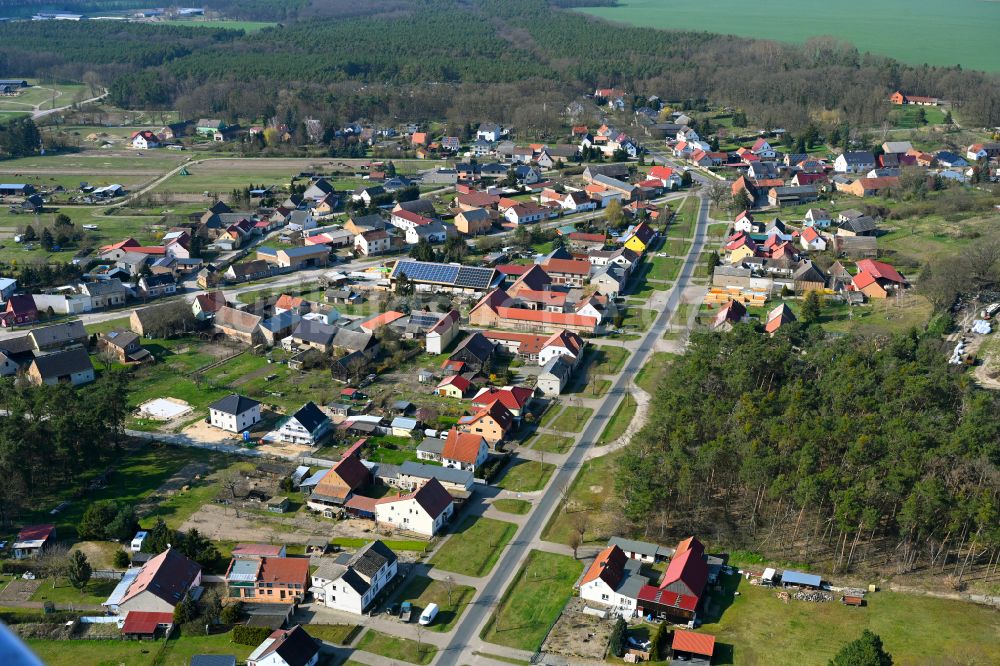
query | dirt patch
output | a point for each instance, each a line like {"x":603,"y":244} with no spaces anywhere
{"x":578,"y":635}
{"x":19,"y":590}
{"x":208,"y":434}
{"x":228,"y":523}
{"x":595,"y":490}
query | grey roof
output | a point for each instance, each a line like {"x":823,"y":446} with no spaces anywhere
{"x":373,"y":221}
{"x":281,"y":322}
{"x":640,"y":547}
{"x":371,"y":558}
{"x":120,"y":338}
{"x":352,"y":340}
{"x":310,"y":417}
{"x":859,"y":157}
{"x":789,"y":577}
{"x":859,"y":225}
{"x":808,"y":272}
{"x":432,"y":445}
{"x":478,"y":345}
{"x":63,"y":362}
{"x":558,"y":367}
{"x":310,"y":330}
{"x":234,"y":404}
{"x":609,"y":181}
{"x":442,"y":474}
{"x":104,"y":287}
{"x":633,"y":581}
{"x":58,"y":334}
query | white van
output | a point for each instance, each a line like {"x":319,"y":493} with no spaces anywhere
{"x":429,"y":614}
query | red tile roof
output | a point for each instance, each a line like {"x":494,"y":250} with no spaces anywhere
{"x":688,"y":641}
{"x":567,"y":339}
{"x":661,"y":172}
{"x":458,"y":381}
{"x":585,"y":237}
{"x":513,"y":398}
{"x":567,"y":266}
{"x":257,"y":550}
{"x":145,"y":622}
{"x":496,"y":411}
{"x":462,"y":446}
{"x":513,"y":269}
{"x":288,"y":302}
{"x":414,"y":218}
{"x":653,"y":594}
{"x":556,"y":298}
{"x":36,"y":532}
{"x":881,"y":270}
{"x":687,"y":573}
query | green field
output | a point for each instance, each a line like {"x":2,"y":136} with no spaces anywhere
{"x":525,"y":476}
{"x":42,"y":95}
{"x":572,"y":419}
{"x":590,"y":491}
{"x":533,"y":601}
{"x":474,"y":547}
{"x":177,"y":652}
{"x":952,"y":34}
{"x":515,"y":506}
{"x":914,"y":629}
{"x":549,"y":443}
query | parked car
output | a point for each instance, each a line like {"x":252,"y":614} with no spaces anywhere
{"x":427,"y":617}
{"x":406,"y":611}
{"x":393,"y":609}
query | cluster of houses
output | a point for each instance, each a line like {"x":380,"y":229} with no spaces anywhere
{"x":769,"y":177}
{"x":761,"y":260}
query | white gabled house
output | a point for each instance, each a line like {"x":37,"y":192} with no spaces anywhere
{"x":353,"y":584}
{"x":423,"y":511}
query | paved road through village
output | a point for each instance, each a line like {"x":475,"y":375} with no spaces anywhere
{"x":466,"y":635}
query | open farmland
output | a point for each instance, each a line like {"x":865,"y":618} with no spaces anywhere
{"x":956,"y":34}
{"x":43,"y":96}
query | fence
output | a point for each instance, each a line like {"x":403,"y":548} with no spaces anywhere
{"x":107,"y":574}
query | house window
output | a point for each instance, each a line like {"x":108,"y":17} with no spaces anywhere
{"x":604,"y":597}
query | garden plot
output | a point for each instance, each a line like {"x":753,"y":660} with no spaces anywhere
{"x":164,"y":409}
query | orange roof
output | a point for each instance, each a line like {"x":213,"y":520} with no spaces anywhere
{"x":571,"y":341}
{"x":513,"y":398}
{"x":810,"y":234}
{"x":661,"y":172}
{"x":287,"y":302}
{"x":609,"y":566}
{"x":284,"y":570}
{"x":529,"y":343}
{"x":382,"y":320}
{"x":458,"y":381}
{"x":863,"y":279}
{"x":541,"y":316}
{"x":688,"y":641}
{"x":546,"y":297}
{"x":462,"y":446}
{"x":880,"y":269}
{"x":568,"y":266}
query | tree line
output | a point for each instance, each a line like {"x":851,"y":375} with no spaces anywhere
{"x":509,"y":60}
{"x":52,"y":434}
{"x":848,"y":451}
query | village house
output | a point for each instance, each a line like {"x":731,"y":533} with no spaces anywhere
{"x":454,"y":386}
{"x":352,"y":583}
{"x":459,"y":450}
{"x":424,"y":511}
{"x":33,"y":540}
{"x":854,"y":162}
{"x":494,"y":423}
{"x":439,"y":337}
{"x":267,"y":580}
{"x":158,"y":586}
{"x":238,"y":326}
{"x":515,"y":398}
{"x":286,"y":647}
{"x":70,"y":366}
{"x":124,"y":346}
{"x":248,"y":271}
{"x":473,"y":222}
{"x":778,"y":317}
{"x":877,"y":279}
{"x":730,"y":314}
{"x":234,"y":413}
{"x":306,"y":426}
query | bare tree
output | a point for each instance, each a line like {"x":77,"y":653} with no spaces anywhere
{"x":448,"y":582}
{"x":53,"y":562}
{"x":575,"y":541}
{"x":717,"y":191}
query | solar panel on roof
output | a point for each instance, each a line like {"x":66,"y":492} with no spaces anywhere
{"x":474,"y":277}
{"x":426,"y":272}
{"x":424,"y":319}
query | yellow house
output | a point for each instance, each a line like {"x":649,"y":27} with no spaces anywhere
{"x":455,"y":386}
{"x":640,"y":238}
{"x":740,"y":249}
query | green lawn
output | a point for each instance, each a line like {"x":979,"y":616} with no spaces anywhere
{"x":178,"y":651}
{"x":533,"y":601}
{"x":137,"y":474}
{"x":550,"y":415}
{"x":619,"y":421}
{"x":811,"y":633}
{"x":590,"y":491}
{"x":572,"y":419}
{"x":474,"y":546}
{"x":525,"y":476}
{"x":339,"y":634}
{"x":515,"y":506}
{"x":395,"y":544}
{"x":422,"y":591}
{"x":608,"y":360}
{"x":664,"y":268}
{"x":649,"y":375}
{"x":685,"y":216}
{"x":96,"y":592}
{"x":549,"y":443}
{"x":392,"y":647}
{"x":638,"y":319}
